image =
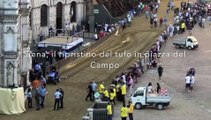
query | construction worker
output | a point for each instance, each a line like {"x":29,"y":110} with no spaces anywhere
{"x":106,"y":95}
{"x":118,"y":91}
{"x":101,"y":88}
{"x":112,"y":96}
{"x":130,"y":110}
{"x":114,"y":89}
{"x":109,"y":110}
{"x":124,"y":92}
{"x":124,"y":112}
{"x":183,"y":27}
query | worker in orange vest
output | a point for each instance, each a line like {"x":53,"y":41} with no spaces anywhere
{"x":130,"y":110}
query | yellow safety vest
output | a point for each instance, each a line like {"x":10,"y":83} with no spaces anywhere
{"x":131,"y":108}
{"x":101,"y":89}
{"x":124,"y":90}
{"x":124,"y":112}
{"x":117,"y":88}
{"x":106,"y":93}
{"x":114,"y":92}
{"x":109,"y":110}
{"x":112,"y":96}
{"x":183,"y":25}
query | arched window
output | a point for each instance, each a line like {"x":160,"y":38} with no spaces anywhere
{"x":59,"y":16}
{"x":44,"y":15}
{"x":73,"y":11}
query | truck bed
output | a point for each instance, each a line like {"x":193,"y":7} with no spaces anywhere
{"x":179,"y":41}
{"x":158,"y":99}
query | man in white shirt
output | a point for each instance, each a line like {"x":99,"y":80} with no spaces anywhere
{"x":57,"y":96}
{"x":187,"y":83}
{"x":203,"y":21}
{"x":124,"y":78}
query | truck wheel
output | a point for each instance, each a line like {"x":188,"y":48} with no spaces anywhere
{"x":177,"y":46}
{"x":138,"y":105}
{"x":189,"y":48}
{"x":160,"y":106}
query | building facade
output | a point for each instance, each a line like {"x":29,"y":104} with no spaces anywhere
{"x":14,"y":33}
{"x":56,"y":14}
{"x":9,"y":43}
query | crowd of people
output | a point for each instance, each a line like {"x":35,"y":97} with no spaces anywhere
{"x":102,"y":30}
{"x":189,"y":15}
{"x":117,"y":90}
{"x":68,"y":30}
{"x":38,"y":91}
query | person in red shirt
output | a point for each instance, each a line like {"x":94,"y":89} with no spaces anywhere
{"x":161,"y":22}
{"x":36,"y":83}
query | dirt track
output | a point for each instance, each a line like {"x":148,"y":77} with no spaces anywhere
{"x":138,"y":37}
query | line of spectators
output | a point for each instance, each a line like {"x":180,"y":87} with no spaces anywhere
{"x":189,"y":15}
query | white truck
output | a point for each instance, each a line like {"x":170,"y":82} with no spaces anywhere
{"x":189,"y":42}
{"x":141,"y":98}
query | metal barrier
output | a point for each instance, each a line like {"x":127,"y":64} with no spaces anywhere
{"x":97,"y":112}
{"x":100,"y":114}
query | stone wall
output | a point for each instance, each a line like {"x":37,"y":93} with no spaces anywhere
{"x":9,"y":44}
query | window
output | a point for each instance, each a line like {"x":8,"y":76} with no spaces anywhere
{"x":44,"y":15}
{"x":139,"y":93}
{"x":189,"y":40}
{"x":73,"y":11}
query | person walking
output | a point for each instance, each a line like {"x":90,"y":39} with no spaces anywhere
{"x":130,"y":84}
{"x":165,"y":21}
{"x":106,"y":95}
{"x":192,"y":82}
{"x":109,"y":111}
{"x":89,"y":95}
{"x":43,"y":93}
{"x":149,"y":88}
{"x":158,"y":88}
{"x":124,"y":92}
{"x":37,"y":98}
{"x":161,"y":22}
{"x":94,"y":89}
{"x":112,"y":96}
{"x":160,"y":71}
{"x":187,"y":82}
{"x":130,"y":110}
{"x":61,"y":99}
{"x":124,"y":112}
{"x":29,"y":98}
{"x":57,"y":96}
{"x":101,"y":88}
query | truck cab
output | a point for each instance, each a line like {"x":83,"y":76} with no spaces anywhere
{"x":189,"y":42}
{"x":141,"y":98}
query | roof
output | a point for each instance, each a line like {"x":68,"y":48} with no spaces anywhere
{"x":141,"y":88}
{"x":192,"y":37}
